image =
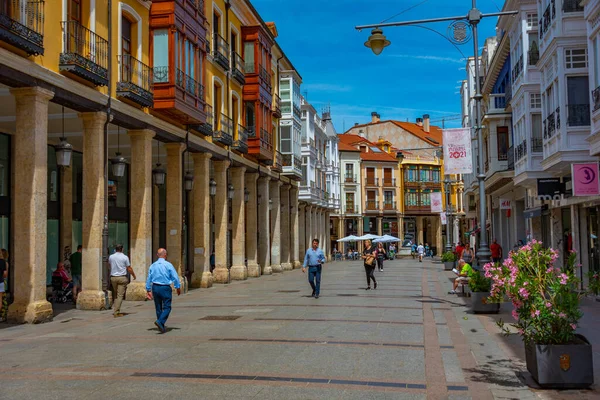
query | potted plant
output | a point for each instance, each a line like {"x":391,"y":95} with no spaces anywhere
{"x":594,"y":284}
{"x":480,"y":291}
{"x":546,"y":308}
{"x":448,"y":258}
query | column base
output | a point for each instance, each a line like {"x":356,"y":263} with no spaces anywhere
{"x":183,"y":283}
{"x":297,"y":265}
{"x":93,"y":300}
{"x":221,"y":275}
{"x":276,"y":268}
{"x":253,"y":270}
{"x":202,"y":279}
{"x":239,"y":273}
{"x":136,"y":291}
{"x":30,"y":313}
{"x":267,"y":271}
{"x":287,"y":267}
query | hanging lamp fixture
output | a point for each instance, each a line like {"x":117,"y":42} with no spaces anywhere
{"x":118,"y":162}
{"x":64,"y":149}
{"x":158,"y":173}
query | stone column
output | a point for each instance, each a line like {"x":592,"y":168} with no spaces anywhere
{"x":308,"y":227}
{"x":66,"y":211}
{"x":285,"y":228}
{"x":341,"y":224}
{"x":221,"y":273}
{"x":327,"y":241}
{"x":294,"y":229}
{"x":30,"y":202}
{"x":140,"y":213}
{"x":156,"y":217}
{"x":275,"y":227}
{"x":92,"y":296}
{"x":264,"y":255}
{"x":380,"y":226}
{"x":419,"y":230}
{"x":239,"y":271}
{"x":400,"y":230}
{"x":252,"y":225}
{"x":576,"y":235}
{"x":438,"y":235}
{"x":301,"y":233}
{"x":202,"y":277}
{"x":174,"y":181}
{"x":361,"y":231}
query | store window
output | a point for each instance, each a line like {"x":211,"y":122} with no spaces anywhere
{"x":5,"y":191}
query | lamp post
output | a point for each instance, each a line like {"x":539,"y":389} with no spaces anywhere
{"x":460,"y":27}
{"x":448,"y":187}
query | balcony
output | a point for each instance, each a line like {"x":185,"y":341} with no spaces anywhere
{"x":578,"y":115}
{"x":389,"y":206}
{"x":260,"y":144}
{"x":497,"y":102}
{"x":85,"y":54}
{"x":278,"y":162}
{"x":537,"y":145}
{"x":549,"y":126}
{"x":292,"y":166}
{"x":135,"y":81}
{"x":390,"y":182}
{"x":241,"y":144}
{"x":570,"y":6}
{"x":371,"y":205}
{"x":22,"y":25}
{"x":520,"y":151}
{"x":517,"y":69}
{"x":510,"y":159}
{"x":418,"y":208}
{"x":221,"y":51}
{"x":372,"y":181}
{"x":276,"y":107}
{"x":350,"y":178}
{"x":224,"y":134}
{"x":350,"y":209}
{"x":533,"y":56}
{"x":265,"y":76}
{"x":205,"y":128}
{"x":596,"y":98}
{"x":237,"y":68}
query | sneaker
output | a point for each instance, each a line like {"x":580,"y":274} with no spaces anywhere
{"x":452,"y":292}
{"x":368,"y":288}
{"x":313,"y":294}
{"x":316,"y":296}
{"x":117,"y":315}
{"x":160,"y":327}
{"x":375,"y":287}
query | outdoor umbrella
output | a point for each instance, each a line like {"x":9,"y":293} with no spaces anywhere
{"x":350,"y":238}
{"x":368,"y":236}
{"x":386,"y":239}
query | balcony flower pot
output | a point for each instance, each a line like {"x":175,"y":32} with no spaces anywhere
{"x":561,"y":366}
{"x":546,"y":309}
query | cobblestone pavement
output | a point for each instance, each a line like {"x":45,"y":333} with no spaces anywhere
{"x":267,"y":338}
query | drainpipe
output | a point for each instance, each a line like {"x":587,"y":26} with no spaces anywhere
{"x":228,"y":74}
{"x":105,"y":283}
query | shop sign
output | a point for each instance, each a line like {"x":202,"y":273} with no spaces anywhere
{"x":436,"y":202}
{"x":585,"y":179}
{"x":550,"y":189}
{"x":505,"y":204}
{"x":457,"y":151}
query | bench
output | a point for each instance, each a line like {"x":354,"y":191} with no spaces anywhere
{"x":462,"y":288}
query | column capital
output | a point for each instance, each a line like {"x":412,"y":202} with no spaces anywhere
{"x":146,"y":134}
{"x":221,"y":165}
{"x":201,"y":156}
{"x":276,"y":182}
{"x":33,"y":93}
{"x":174,"y":148}
{"x":93,"y":120}
{"x":285,"y":186}
{"x":251,"y":176}
{"x":238,"y":170}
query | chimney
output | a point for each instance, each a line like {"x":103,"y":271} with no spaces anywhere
{"x":426,"y":123}
{"x":272,"y":28}
{"x":375,"y":117}
{"x":419,"y":121}
{"x":356,"y":124}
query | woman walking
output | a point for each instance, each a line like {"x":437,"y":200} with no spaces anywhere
{"x":467,"y":254}
{"x":381,"y":254}
{"x":370,"y":257}
{"x":3,"y":284}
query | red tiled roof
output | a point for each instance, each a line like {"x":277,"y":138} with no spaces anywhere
{"x":372,"y":156}
{"x":346,"y":147}
{"x":434,"y":133}
{"x":349,"y":141}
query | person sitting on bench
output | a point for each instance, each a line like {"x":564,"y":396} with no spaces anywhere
{"x":464,"y":272}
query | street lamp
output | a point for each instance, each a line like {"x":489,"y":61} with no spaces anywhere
{"x":158,"y":173}
{"x":118,"y":162}
{"x":460,"y":34}
{"x":448,"y":187}
{"x":230,"y":191}
{"x":246,"y":195}
{"x":64,"y":149}
{"x":189,"y":181}
{"x":213,"y":188}
{"x":270,"y":204}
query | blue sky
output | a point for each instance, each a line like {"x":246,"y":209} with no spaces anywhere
{"x":417,"y":74}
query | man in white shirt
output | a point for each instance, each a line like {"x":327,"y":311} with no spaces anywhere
{"x":421,"y":251}
{"x":119,"y":266}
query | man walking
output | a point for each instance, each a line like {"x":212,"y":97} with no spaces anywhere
{"x":496,"y":250}
{"x":420,"y":251}
{"x":119,"y":266}
{"x":314,"y":259}
{"x":158,"y":287}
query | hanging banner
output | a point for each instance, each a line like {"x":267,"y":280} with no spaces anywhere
{"x":436,"y":202}
{"x":443,"y":218}
{"x":505,"y":204}
{"x":457,"y":151}
{"x":585,"y":179}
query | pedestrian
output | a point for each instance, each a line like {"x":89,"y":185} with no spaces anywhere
{"x":458,"y":250}
{"x":420,"y":251}
{"x":119,"y":266}
{"x":467,"y":254}
{"x":496,"y":250}
{"x":75,"y":260}
{"x":413,"y":250}
{"x":370,"y":257}
{"x":380,"y":256}
{"x":158,"y":287}
{"x":3,"y":284}
{"x":464,"y":273}
{"x":314,"y":259}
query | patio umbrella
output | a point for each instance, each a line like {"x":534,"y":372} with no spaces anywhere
{"x":350,"y":238}
{"x":368,"y":236}
{"x":386,"y":239}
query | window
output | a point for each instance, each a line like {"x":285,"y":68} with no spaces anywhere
{"x":576,"y":58}
{"x":426,"y":197}
{"x":349,"y":200}
{"x":388,"y":197}
{"x":436,"y":174}
{"x":286,"y":139}
{"x":249,"y":57}
{"x":412,"y":198}
{"x":535,"y":101}
{"x":285,"y":92}
{"x":536,"y":132}
{"x":502,"y":136}
{"x":532,"y":20}
{"x":161,"y":55}
{"x":578,"y":101}
{"x":411,"y":174}
{"x":74,"y":10}
{"x":250,"y":118}
{"x":125,"y":49}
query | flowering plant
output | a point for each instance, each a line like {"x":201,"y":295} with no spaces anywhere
{"x":594,"y":282}
{"x":545,"y":298}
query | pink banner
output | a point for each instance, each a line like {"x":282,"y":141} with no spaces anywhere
{"x":436,"y":202}
{"x":457,"y":151}
{"x":585,"y":179}
{"x":443,"y":218}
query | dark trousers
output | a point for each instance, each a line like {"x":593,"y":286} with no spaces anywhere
{"x":314,"y":278}
{"x":380,"y":262}
{"x":162,"y":295}
{"x":370,"y":276}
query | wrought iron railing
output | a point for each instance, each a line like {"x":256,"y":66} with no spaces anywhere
{"x":161,"y":74}
{"x":241,"y":144}
{"x":572,"y":6}
{"x":266,"y":140}
{"x":371,"y":205}
{"x":251,"y":130}
{"x":502,"y":156}
{"x":521,"y":150}
{"x":372,"y":181}
{"x":557,"y":117}
{"x":578,"y":115}
{"x":278,"y":161}
{"x":224,"y":134}
{"x":533,"y":56}
{"x":85,"y":53}
{"x":596,"y":98}
{"x":221,"y":51}
{"x":350,"y":209}
{"x":517,"y":69}
{"x":264,"y":75}
{"x":350,"y":178}
{"x":237,"y":64}
{"x":510,"y":159}
{"x":389,"y":182}
{"x":537,"y":145}
{"x":298,"y":164}
{"x":276,"y":104}
{"x":189,"y":84}
{"x":22,"y":24}
{"x":550,"y":126}
{"x":135,"y":81}
{"x":389,"y":205}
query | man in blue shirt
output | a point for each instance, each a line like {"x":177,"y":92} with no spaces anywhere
{"x":314,"y":259}
{"x":158,"y":286}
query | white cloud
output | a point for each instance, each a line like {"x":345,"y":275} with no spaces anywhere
{"x":326,"y":87}
{"x":429,"y":58}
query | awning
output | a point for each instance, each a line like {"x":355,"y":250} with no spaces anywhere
{"x":532,"y":212}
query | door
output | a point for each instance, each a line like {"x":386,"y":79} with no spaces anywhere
{"x":125,"y":50}
{"x":387,"y":176}
{"x":370,"y":176}
{"x":593,"y":222}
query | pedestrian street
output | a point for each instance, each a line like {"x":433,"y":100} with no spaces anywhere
{"x":268,"y":338}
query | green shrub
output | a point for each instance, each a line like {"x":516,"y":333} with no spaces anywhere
{"x":479,"y":283}
{"x":448,"y":257}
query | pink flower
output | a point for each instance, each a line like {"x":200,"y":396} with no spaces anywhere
{"x":525,"y":283}
{"x":535,"y":313}
{"x":562,"y":315}
{"x":563,"y":279}
{"x":524,"y":293}
{"x":549,"y":270}
{"x":515,"y":315}
{"x":573,"y":326}
{"x":521,"y":331}
{"x":549,"y":305}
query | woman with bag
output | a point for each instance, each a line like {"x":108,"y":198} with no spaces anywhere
{"x":370,"y":257}
{"x":381,"y":254}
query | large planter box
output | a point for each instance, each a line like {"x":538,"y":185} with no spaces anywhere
{"x":567,"y":366}
{"x":448,"y":265}
{"x":479,"y":304}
